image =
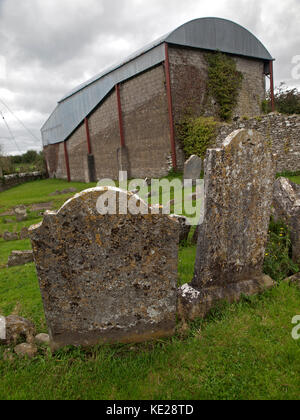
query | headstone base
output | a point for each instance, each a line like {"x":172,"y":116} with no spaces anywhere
{"x":193,"y":303}
{"x":114,"y":336}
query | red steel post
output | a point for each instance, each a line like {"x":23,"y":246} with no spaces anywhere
{"x":121,"y":128}
{"x":170,"y":107}
{"x":88,"y":138}
{"x":67,"y":162}
{"x":272,"y":86}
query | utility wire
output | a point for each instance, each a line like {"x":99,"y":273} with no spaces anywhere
{"x":18,"y":119}
{"x":10,"y":132}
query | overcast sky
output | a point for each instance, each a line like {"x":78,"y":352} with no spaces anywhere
{"x":49,"y":46}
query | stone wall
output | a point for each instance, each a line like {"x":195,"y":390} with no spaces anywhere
{"x":146,"y":124}
{"x":9,"y":181}
{"x":77,"y":151}
{"x":283,"y":133}
{"x":105,"y":137}
{"x":146,"y":131}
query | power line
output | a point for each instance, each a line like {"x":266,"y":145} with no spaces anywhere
{"x":18,"y":119}
{"x":10,"y":132}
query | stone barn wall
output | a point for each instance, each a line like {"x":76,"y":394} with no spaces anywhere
{"x":146,"y":124}
{"x":146,"y":130}
{"x":282,"y":131}
{"x":146,"y":121}
{"x":77,"y":151}
{"x":189,"y":77}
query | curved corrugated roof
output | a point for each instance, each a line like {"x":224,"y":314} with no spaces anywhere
{"x":213,"y":34}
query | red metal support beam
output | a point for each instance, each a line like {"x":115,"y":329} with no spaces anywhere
{"x":88,"y":137}
{"x":121,"y":127}
{"x":272,"y":87}
{"x":170,"y":107}
{"x":67,"y":162}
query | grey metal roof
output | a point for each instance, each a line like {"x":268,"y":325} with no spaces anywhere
{"x":206,"y":33}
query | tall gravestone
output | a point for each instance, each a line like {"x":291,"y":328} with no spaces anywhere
{"x":286,"y":207}
{"x":106,"y":278}
{"x":239,"y":180}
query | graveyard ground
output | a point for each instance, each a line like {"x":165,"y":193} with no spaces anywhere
{"x":241,"y":351}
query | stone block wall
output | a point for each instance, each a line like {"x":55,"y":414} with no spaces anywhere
{"x":10,"y":181}
{"x":77,"y":151}
{"x":283,"y":133}
{"x":146,"y":124}
{"x":105,"y":137}
{"x":189,"y":76}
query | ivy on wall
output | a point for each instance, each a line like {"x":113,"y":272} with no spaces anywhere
{"x":224,"y":82}
{"x":197,"y":135}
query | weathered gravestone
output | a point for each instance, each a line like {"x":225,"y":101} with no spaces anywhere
{"x":239,"y":180}
{"x":286,"y":205}
{"x":19,"y":258}
{"x":20,"y":213}
{"x":192,"y":168}
{"x":106,"y":278}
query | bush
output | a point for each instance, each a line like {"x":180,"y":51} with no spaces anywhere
{"x":287,"y":101}
{"x":197,"y":134}
{"x":224,"y":82}
{"x":278,"y":263}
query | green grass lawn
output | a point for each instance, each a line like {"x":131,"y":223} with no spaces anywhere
{"x":241,"y":351}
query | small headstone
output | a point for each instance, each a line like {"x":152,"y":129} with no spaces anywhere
{"x":286,"y":207}
{"x":239,"y":180}
{"x":19,"y":258}
{"x":192,"y":168}
{"x":10,"y":236}
{"x":21,"y":213}
{"x":106,"y":278}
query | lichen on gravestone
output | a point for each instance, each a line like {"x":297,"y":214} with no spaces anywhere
{"x":106,"y":278}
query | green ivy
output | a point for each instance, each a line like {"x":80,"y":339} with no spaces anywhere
{"x":197,"y":134}
{"x":278,"y":263}
{"x":224,"y":82}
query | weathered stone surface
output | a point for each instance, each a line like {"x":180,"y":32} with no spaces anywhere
{"x":10,"y":236}
{"x":18,"y":328}
{"x":192,"y":168}
{"x":21,"y":213}
{"x":106,"y":278}
{"x":197,"y":233}
{"x":286,"y":207}
{"x":19,"y":258}
{"x":42,"y":339}
{"x":185,"y":227}
{"x":26,"y":350}
{"x":239,"y":181}
{"x":24,"y":234}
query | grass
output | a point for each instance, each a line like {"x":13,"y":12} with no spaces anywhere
{"x":241,"y":351}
